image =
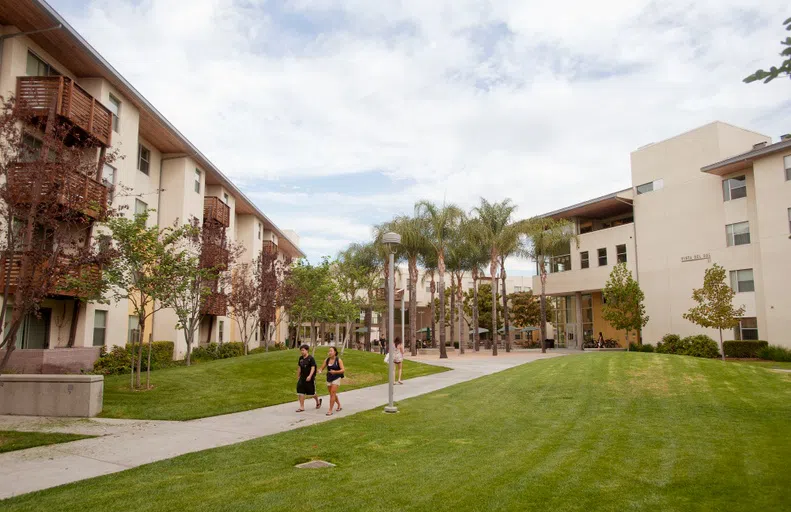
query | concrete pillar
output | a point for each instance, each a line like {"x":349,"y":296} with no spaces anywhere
{"x":578,"y":337}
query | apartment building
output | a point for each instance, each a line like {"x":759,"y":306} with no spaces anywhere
{"x":44,"y":58}
{"x":716,"y":194}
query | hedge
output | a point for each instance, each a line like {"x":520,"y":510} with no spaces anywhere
{"x":775,"y":353}
{"x":744,"y":348}
{"x":646,"y":347}
{"x":214,"y":351}
{"x":695,"y":346}
{"x":118,"y":359}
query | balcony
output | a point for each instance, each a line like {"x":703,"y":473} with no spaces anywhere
{"x":71,"y":189}
{"x":215,"y":255}
{"x":57,"y":291}
{"x":36,"y":95}
{"x":216,"y":304}
{"x":269,"y":247}
{"x":215,"y":211}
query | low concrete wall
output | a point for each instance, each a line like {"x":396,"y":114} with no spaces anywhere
{"x":53,"y":360}
{"x":51,"y":395}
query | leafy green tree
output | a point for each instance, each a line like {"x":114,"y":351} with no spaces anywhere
{"x":317,"y":294}
{"x":774,"y":72}
{"x":715,"y":303}
{"x":525,"y":309}
{"x":485,"y":304}
{"x":623,"y":301}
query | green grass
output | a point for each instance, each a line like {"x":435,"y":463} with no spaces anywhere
{"x":11,"y":440}
{"x":783,"y":365}
{"x":237,"y":384}
{"x":603,"y":432}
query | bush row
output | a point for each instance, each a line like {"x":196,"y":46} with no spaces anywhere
{"x":647,"y":347}
{"x":744,"y":348}
{"x":775,"y":353}
{"x":118,"y":360}
{"x":214,"y":351}
{"x":695,"y":346}
{"x":272,"y":347}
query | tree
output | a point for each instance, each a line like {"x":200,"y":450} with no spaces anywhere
{"x":245,"y":299}
{"x":145,"y":271}
{"x":429,"y":260}
{"x":315,"y":294}
{"x":50,"y":197}
{"x":271,"y":273}
{"x":623,"y":302}
{"x":485,"y":304}
{"x":441,"y":222}
{"x":774,"y":72}
{"x":363,"y":261}
{"x":715,"y":304}
{"x":192,"y":281}
{"x":525,"y":309}
{"x":546,"y":237}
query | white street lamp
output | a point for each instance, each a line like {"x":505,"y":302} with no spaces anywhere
{"x":391,"y":240}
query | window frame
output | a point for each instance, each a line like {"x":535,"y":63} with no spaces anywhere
{"x":599,"y":256}
{"x":787,"y":165}
{"x":584,"y":259}
{"x":736,"y":283}
{"x":145,"y":207}
{"x":49,"y":68}
{"x":198,"y":178}
{"x":103,"y":328}
{"x":141,"y":148}
{"x":727,"y":188}
{"x":618,"y":253}
{"x":110,"y":184}
{"x":730,"y":237}
{"x":115,"y":102}
{"x":739,"y":330}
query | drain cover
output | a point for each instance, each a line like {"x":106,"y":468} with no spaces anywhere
{"x":315,"y":464}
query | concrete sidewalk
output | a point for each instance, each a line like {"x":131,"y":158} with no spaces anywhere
{"x":129,"y":443}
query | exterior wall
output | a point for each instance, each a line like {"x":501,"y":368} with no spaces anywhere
{"x":687,"y":217}
{"x":600,"y":325}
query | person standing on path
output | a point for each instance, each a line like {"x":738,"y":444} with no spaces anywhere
{"x":335,"y":374}
{"x":398,"y":357}
{"x":382,"y":345}
{"x":306,"y":381}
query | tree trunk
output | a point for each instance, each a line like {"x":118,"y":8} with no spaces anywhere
{"x":75,"y":317}
{"x":493,"y":273}
{"x":506,"y":323}
{"x":722,"y":347}
{"x":413,"y":305}
{"x":460,"y":314}
{"x":452,"y":309}
{"x":543,"y":301}
{"x":134,"y":334}
{"x":476,"y":336}
{"x":368,"y":326}
{"x":142,"y":328}
{"x":443,"y":353}
{"x":313,"y":337}
{"x":433,"y":313}
{"x":189,"y":337}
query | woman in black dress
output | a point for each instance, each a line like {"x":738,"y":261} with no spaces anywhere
{"x":335,"y":373}
{"x":306,"y":378}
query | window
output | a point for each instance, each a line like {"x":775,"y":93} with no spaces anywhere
{"x":747,"y":329}
{"x":620,"y":253}
{"x":108,"y":179}
{"x":134,"y":324}
{"x":584,"y":260}
{"x":517,"y":289}
{"x":650,"y":186}
{"x":140,"y":207}
{"x":38,"y":67}
{"x":603,"y":257}
{"x":587,"y":317}
{"x":260,"y":231}
{"x":737,"y":234}
{"x":115,"y":108}
{"x":789,"y":219}
{"x":197,"y":181}
{"x":742,"y":280}
{"x":734,"y":188}
{"x":787,"y":162}
{"x":226,"y":199}
{"x":428,"y":289}
{"x":99,"y":328}
{"x":221,"y":331}
{"x":143,"y":159}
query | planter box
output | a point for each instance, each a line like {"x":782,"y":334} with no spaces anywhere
{"x":51,"y":395}
{"x":52,"y":360}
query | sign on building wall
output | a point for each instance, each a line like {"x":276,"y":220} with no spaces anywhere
{"x":696,"y":257}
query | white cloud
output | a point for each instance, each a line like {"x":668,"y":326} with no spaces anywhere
{"x":539,"y":102}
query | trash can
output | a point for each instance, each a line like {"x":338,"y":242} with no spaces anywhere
{"x":550,"y":343}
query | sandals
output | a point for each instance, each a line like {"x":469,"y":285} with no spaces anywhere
{"x":318,"y":405}
{"x":329,"y":413}
{"x":300,"y":410}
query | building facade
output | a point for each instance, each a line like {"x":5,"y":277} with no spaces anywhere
{"x":158,"y":168}
{"x":716,"y":194}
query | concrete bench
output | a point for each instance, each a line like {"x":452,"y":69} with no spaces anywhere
{"x":51,"y":395}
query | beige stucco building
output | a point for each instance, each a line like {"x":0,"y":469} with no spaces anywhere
{"x":716,"y":194}
{"x":159,"y":168}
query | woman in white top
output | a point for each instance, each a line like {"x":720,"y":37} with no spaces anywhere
{"x":398,"y":357}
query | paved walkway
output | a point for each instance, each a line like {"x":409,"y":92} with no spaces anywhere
{"x":129,"y":443}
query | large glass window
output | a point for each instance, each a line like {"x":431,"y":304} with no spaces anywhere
{"x":133,"y":326}
{"x":115,"y":108}
{"x":737,"y":234}
{"x":584,"y":260}
{"x":587,"y":317}
{"x":197,"y":180}
{"x":620,"y":253}
{"x":734,"y":188}
{"x":140,"y":207}
{"x":99,"y":328}
{"x":143,"y":159}
{"x":38,"y":67}
{"x":603,"y":257}
{"x":747,"y":329}
{"x":742,"y":280}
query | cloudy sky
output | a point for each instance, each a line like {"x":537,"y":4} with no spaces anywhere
{"x":336,"y":114}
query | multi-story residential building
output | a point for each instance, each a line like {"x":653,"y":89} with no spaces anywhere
{"x":716,"y":194}
{"x":160,"y":169}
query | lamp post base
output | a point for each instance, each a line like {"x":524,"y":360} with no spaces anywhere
{"x":391,"y":408}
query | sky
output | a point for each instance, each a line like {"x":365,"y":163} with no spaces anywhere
{"x":333,"y":115}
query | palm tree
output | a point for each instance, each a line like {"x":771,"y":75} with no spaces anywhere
{"x":477,"y":256}
{"x":497,"y":232}
{"x":441,"y":221}
{"x":546,"y":237}
{"x":413,"y":245}
{"x":429,"y":261}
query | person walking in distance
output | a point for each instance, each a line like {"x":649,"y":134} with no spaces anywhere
{"x":306,"y":378}
{"x":335,"y":373}
{"x":398,"y":357}
{"x":382,"y":345}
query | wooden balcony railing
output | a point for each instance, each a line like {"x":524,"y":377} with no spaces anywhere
{"x":216,"y":304}
{"x":214,"y":210}
{"x":71,"y":189}
{"x":269,"y":247}
{"x":15,"y":264}
{"x":36,"y":95}
{"x":214,"y":256}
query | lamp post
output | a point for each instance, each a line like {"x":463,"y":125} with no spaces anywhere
{"x":403,"y":335}
{"x":391,"y":240}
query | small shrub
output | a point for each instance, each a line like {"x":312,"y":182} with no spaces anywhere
{"x":118,"y":360}
{"x":744,"y":348}
{"x":700,"y":346}
{"x":671,"y":344}
{"x":634,"y":347}
{"x":456,"y":345}
{"x":214,"y":351}
{"x":775,"y":353}
{"x":232,"y":349}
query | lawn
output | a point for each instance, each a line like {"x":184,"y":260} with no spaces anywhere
{"x":779,"y":365}
{"x":11,"y":440}
{"x":237,"y":384}
{"x":609,"y":431}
